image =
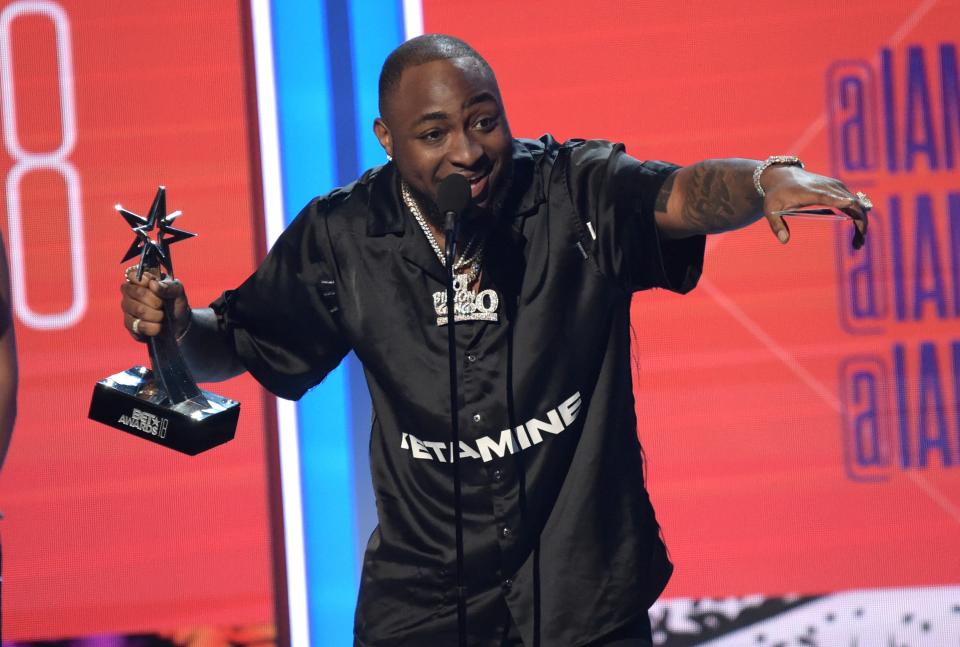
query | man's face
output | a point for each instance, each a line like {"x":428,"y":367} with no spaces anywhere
{"x":446,"y":117}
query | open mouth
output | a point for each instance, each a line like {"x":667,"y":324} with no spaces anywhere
{"x":478,"y":184}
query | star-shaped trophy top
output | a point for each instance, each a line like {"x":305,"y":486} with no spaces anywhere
{"x":154,"y":235}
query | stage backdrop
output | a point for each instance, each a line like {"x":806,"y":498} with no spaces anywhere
{"x":799,"y":409}
{"x":105,"y":533}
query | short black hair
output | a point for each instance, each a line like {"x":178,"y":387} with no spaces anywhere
{"x":420,"y":50}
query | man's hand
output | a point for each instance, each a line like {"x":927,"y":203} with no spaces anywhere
{"x":791,"y":187}
{"x":714,"y":196}
{"x":143,"y":301}
{"x":209,"y":354}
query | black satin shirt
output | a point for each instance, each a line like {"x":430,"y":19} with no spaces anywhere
{"x":557,"y":521}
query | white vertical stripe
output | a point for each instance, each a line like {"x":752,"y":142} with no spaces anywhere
{"x":294,"y":550}
{"x":267,"y":115}
{"x":286,"y":411}
{"x":412,"y":18}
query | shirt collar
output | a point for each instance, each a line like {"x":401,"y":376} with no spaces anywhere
{"x":526,"y":192}
{"x":384,"y":209}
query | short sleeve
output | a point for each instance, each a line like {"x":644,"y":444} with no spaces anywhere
{"x":282,"y":319}
{"x":614,"y":196}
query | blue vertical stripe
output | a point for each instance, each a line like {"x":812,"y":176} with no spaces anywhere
{"x":341,"y":86}
{"x":376,"y":28}
{"x":304,"y":113}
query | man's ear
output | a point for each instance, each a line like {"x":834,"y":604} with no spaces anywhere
{"x":383,"y":135}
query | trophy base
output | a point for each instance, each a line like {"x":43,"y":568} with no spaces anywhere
{"x":133,"y":402}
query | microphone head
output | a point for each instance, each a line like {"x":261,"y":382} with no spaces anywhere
{"x":453,"y":194}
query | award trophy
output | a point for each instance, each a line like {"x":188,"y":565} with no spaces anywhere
{"x":162,"y":404}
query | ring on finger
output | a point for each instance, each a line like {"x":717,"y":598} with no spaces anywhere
{"x":135,"y":326}
{"x":864,"y":201}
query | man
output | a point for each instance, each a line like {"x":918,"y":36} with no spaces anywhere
{"x":561,"y":543}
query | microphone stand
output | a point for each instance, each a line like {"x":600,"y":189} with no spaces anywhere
{"x":450,"y":244}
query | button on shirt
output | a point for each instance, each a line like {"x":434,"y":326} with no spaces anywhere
{"x":557,"y":521}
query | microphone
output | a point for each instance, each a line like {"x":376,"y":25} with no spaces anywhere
{"x":453,"y":197}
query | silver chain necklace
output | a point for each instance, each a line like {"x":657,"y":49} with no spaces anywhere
{"x":469,"y":262}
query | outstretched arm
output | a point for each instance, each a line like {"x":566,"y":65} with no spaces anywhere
{"x":714,"y":196}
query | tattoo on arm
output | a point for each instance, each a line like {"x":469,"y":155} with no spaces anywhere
{"x":663,"y":197}
{"x":720,"y":196}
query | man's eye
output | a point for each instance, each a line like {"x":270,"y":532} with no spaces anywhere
{"x":485,"y":123}
{"x":432,"y":136}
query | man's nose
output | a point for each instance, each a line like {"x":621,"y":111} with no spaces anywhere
{"x":465,"y":151}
